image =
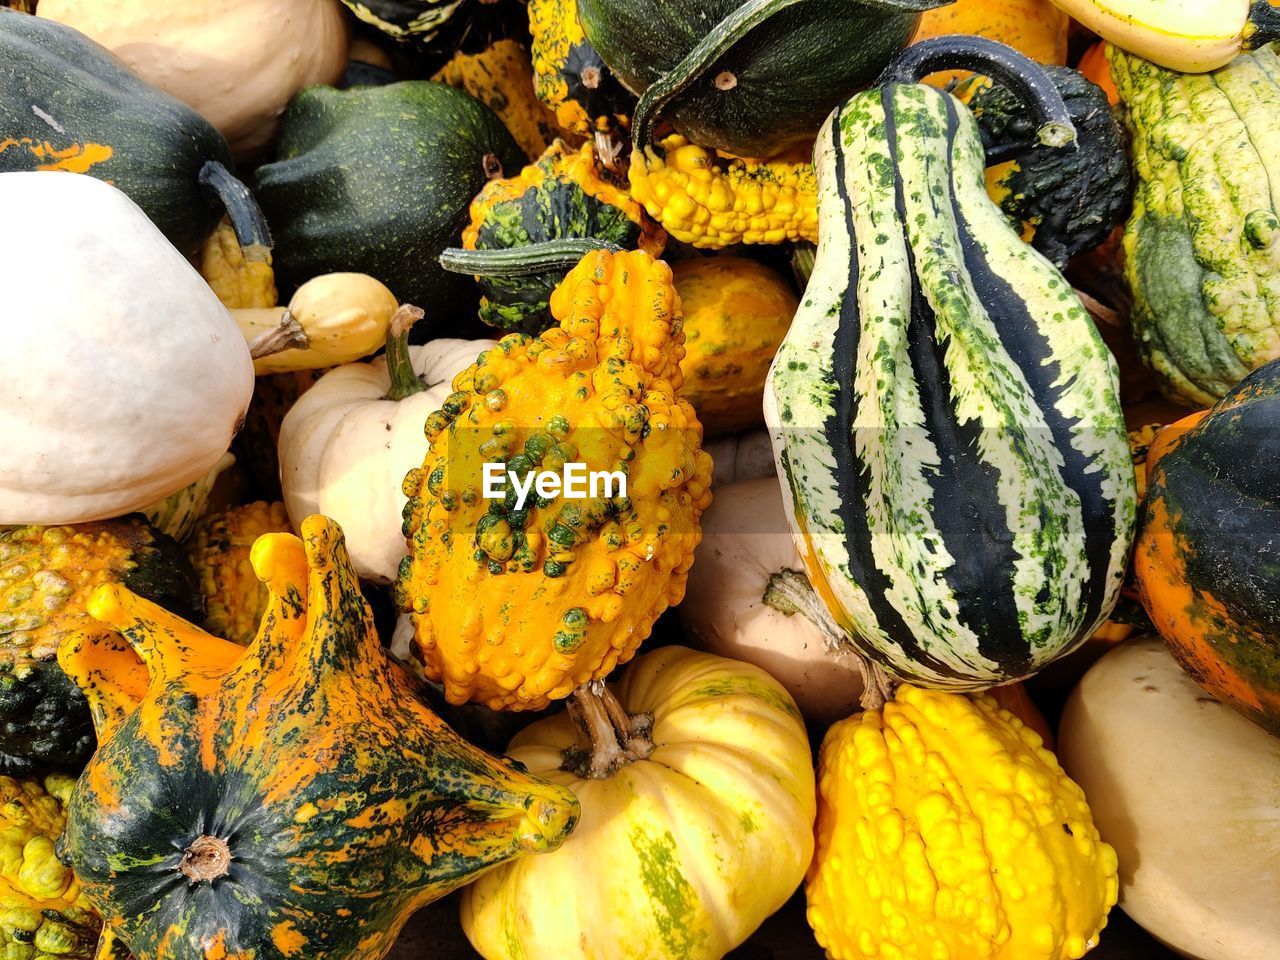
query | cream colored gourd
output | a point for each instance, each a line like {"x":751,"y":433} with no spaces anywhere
{"x":238,"y":62}
{"x":125,"y":377}
{"x":701,"y":832}
{"x":740,"y":456}
{"x":746,"y":541}
{"x":1188,"y":792}
{"x":340,"y":317}
{"x":345,"y":448}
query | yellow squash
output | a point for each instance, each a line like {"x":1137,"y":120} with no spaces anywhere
{"x":713,"y":201}
{"x":235,"y":599}
{"x":686,"y":847}
{"x":736,"y":312}
{"x":516,"y":606}
{"x":945,"y":829}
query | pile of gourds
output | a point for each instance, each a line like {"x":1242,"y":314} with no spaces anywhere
{"x":940,"y":382}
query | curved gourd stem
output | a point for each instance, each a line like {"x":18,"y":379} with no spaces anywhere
{"x":250,"y":226}
{"x":1028,"y":80}
{"x":286,"y":335}
{"x":610,"y":738}
{"x":789,"y":592}
{"x":718,"y":41}
{"x":405,"y":381}
{"x":523,"y":261}
{"x":1263,"y":26}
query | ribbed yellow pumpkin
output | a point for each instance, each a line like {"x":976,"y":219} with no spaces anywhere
{"x":736,"y":312}
{"x":701,"y":832}
{"x":946,"y":830}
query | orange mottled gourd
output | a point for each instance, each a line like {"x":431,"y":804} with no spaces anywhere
{"x":514,"y":604}
{"x":293,"y":799}
{"x":945,"y":829}
{"x":736,"y":312}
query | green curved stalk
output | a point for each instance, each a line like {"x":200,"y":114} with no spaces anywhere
{"x":1028,"y":80}
{"x":405,"y":381}
{"x":250,"y":226}
{"x":523,"y":261}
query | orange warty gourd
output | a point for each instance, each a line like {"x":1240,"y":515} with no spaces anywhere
{"x":516,"y":606}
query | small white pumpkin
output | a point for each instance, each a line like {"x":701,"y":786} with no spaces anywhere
{"x":238,"y":62}
{"x":125,"y":377}
{"x":345,"y":446}
{"x":1188,"y":792}
{"x":745,"y":542}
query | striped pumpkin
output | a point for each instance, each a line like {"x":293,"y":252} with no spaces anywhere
{"x":943,"y":410}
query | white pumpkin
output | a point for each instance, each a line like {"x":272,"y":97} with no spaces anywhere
{"x":124,"y":376}
{"x":740,"y":456}
{"x":745,"y":541}
{"x":1188,"y":792}
{"x":345,"y":448}
{"x":238,"y":62}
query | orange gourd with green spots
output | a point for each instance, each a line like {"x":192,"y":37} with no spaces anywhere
{"x":945,"y":829}
{"x":294,"y":799}
{"x":514,"y":607}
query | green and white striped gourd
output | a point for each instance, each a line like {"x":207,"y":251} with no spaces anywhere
{"x":943,"y":409}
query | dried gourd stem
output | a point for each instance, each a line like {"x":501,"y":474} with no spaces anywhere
{"x":609,"y":150}
{"x":207,"y":859}
{"x":492,"y":166}
{"x":611,"y":738}
{"x":405,"y":381}
{"x":789,"y":592}
{"x":286,"y":335}
{"x":1099,"y":310}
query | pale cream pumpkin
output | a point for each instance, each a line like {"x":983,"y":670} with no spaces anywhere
{"x":125,"y":377}
{"x":745,"y":543}
{"x":702,"y":829}
{"x":1188,"y":792}
{"x":345,"y":448}
{"x":238,"y":62}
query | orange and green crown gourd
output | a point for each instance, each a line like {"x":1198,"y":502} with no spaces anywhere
{"x":43,"y":913}
{"x":294,"y":799}
{"x":235,"y":599}
{"x":517,"y":607}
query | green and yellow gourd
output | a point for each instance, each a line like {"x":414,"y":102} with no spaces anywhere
{"x":565,"y":195}
{"x":944,"y":414}
{"x":406,"y":20}
{"x":569,"y":76}
{"x":1202,"y":249}
{"x":293,"y":799}
{"x":46,"y":577}
{"x":43,"y":913}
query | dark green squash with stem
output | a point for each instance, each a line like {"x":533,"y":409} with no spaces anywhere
{"x":753,"y":78}
{"x":378,"y":180}
{"x":67,"y":103}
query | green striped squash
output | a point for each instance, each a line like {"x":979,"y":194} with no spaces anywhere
{"x":943,"y":409}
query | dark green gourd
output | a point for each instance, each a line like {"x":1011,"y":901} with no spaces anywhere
{"x":67,"y":103}
{"x":944,"y":413}
{"x":377,"y":180}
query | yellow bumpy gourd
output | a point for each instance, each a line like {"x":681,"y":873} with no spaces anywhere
{"x":710,"y":201}
{"x":516,"y":606}
{"x":43,"y":914}
{"x":946,"y":831}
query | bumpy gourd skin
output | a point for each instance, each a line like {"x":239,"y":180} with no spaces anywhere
{"x":946,"y":830}
{"x":235,"y":599}
{"x":515,"y":608}
{"x":569,"y":76}
{"x":1202,"y":249}
{"x":293,"y":799}
{"x":239,"y":281}
{"x":715,"y":202}
{"x":46,"y":577}
{"x":43,"y":915}
{"x":562,"y":195}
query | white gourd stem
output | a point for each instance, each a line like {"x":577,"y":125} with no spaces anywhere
{"x":286,"y":335}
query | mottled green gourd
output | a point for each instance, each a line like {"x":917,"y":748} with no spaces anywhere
{"x":46,"y":577}
{"x":1202,"y":249}
{"x":944,"y":413}
{"x":292,"y":800}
